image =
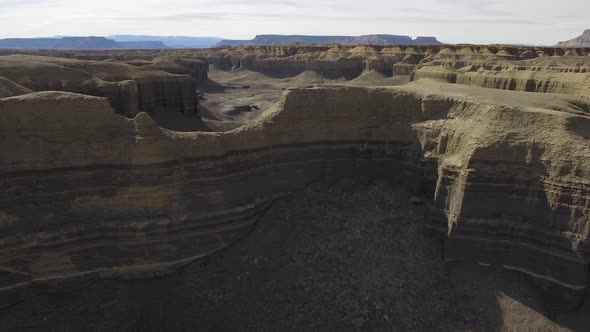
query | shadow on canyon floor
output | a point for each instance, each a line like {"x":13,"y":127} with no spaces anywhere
{"x":179,"y":121}
{"x":347,"y":256}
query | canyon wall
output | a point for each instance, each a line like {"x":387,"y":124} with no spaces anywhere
{"x":130,"y":89}
{"x":532,"y":69}
{"x":513,"y":78}
{"x":89,"y":194}
{"x":523,"y":68}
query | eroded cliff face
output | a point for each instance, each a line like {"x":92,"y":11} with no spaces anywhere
{"x":8,"y":88}
{"x":129,"y":89}
{"x":573,"y":81}
{"x":532,"y":69}
{"x":89,"y":194}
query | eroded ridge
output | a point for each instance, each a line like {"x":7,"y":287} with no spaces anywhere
{"x":533,"y":69}
{"x":91,"y":194}
{"x":163,"y":87}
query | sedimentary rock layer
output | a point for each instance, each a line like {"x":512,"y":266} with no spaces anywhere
{"x":89,"y":194}
{"x":512,"y":78}
{"x":129,"y":89}
{"x":533,"y":69}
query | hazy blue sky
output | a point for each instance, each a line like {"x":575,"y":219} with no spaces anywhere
{"x":475,"y":21}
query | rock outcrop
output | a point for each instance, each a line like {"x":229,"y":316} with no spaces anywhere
{"x":89,"y":194}
{"x":512,"y":78}
{"x":580,"y":41}
{"x":532,"y":69}
{"x":196,"y":68}
{"x":8,"y":88}
{"x":129,"y":89}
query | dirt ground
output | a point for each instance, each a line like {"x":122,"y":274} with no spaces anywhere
{"x":343,"y":257}
{"x":233,"y":98}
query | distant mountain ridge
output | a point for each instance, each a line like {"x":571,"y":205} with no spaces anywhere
{"x":77,"y":43}
{"x":163,"y":42}
{"x":580,"y":41}
{"x":63,"y":43}
{"x":170,"y":41}
{"x":379,"y":39}
{"x":142,"y":45}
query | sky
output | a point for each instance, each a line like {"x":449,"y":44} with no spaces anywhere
{"x":538,"y":22}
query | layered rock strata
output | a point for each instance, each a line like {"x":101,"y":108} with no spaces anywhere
{"x":129,"y":89}
{"x":534,"y":69}
{"x":88,"y":194}
{"x":512,"y":78}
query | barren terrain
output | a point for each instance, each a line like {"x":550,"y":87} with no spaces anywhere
{"x":308,"y":265}
{"x":297,"y":187}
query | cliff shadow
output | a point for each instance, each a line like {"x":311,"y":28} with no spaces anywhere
{"x":519,"y":302}
{"x":345,"y":255}
{"x":513,"y":242}
{"x":211,"y":86}
{"x":177,"y":120}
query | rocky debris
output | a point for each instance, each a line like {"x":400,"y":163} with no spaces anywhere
{"x":531,"y":69}
{"x":245,"y":108}
{"x":239,"y":109}
{"x":333,"y":256}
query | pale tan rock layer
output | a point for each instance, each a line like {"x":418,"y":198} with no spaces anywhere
{"x":89,"y":194}
{"x":533,"y":69}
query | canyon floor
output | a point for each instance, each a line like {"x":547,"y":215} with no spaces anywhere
{"x":233,"y":98}
{"x":347,"y":256}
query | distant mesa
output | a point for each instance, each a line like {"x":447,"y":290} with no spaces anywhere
{"x":142,"y":45}
{"x":170,"y":41}
{"x":580,"y":41}
{"x":77,"y":43}
{"x":265,"y":40}
{"x":63,"y":43}
{"x":163,"y":42}
{"x":109,"y":43}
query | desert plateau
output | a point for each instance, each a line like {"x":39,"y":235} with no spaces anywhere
{"x":294,"y":183}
